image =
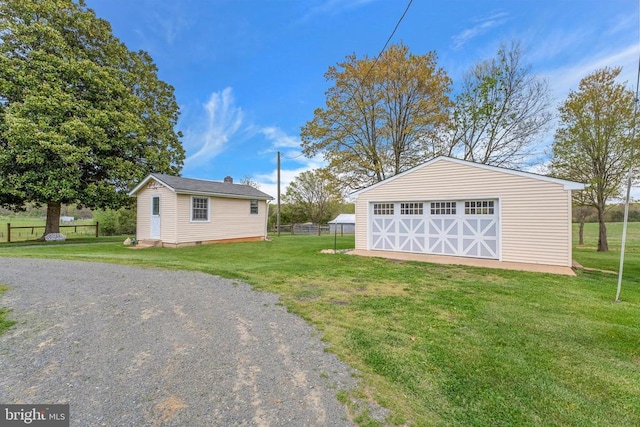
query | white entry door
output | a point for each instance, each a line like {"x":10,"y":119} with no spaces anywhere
{"x":461,"y":228}
{"x":155,"y":217}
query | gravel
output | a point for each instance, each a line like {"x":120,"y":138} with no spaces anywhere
{"x":128,"y":346}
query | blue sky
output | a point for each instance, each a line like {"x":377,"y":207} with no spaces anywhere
{"x":248,"y":74}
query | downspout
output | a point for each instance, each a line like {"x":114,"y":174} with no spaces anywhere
{"x":266,"y":220}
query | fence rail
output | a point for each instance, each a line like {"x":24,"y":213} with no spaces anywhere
{"x":34,"y":227}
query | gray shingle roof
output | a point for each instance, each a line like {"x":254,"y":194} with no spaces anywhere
{"x":201,"y":186}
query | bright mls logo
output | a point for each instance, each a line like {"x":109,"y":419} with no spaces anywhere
{"x":34,"y":415}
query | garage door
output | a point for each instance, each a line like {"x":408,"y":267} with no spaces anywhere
{"x":462,"y":228}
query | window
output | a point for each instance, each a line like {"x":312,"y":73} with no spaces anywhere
{"x":254,"y":207}
{"x":443,"y":208}
{"x":411,"y":208}
{"x":155,"y":206}
{"x":383,"y":208}
{"x":479,"y":207}
{"x":199,"y":209}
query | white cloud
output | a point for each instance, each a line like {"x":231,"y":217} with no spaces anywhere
{"x":482,"y":25}
{"x":279,"y":138}
{"x":564,"y":79}
{"x":222,"y":120}
{"x":292,"y":161}
{"x":333,"y":7}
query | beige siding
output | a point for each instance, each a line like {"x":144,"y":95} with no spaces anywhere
{"x":535,"y":214}
{"x":229,"y":219}
{"x":167,"y":212}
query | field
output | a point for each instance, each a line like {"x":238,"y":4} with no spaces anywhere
{"x":445,"y":345}
{"x":37,"y":224}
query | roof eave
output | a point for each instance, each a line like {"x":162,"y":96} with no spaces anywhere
{"x":144,"y":182}
{"x":225,"y":195}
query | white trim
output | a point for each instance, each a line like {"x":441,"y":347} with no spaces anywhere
{"x":199,"y":221}
{"x":144,"y":182}
{"x":152,"y":217}
{"x":459,"y":218}
{"x":221,"y":195}
{"x":567,"y":185}
{"x":257,"y":206}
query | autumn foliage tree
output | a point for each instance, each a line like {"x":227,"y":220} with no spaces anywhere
{"x":81,"y":116}
{"x":380,"y":117}
{"x":594,"y":140}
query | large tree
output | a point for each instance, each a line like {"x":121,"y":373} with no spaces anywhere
{"x":594,"y":140}
{"x":380,"y":116}
{"x":315,"y":195}
{"x":81,"y":116}
{"x":500,"y":112}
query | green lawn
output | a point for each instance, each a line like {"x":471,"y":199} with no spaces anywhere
{"x":4,"y":323}
{"x":37,"y":224}
{"x":444,"y":345}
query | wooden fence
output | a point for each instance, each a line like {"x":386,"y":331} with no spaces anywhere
{"x":34,"y":227}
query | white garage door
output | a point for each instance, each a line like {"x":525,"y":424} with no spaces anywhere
{"x":462,"y":228}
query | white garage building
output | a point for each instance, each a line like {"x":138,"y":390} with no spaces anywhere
{"x":458,"y":208}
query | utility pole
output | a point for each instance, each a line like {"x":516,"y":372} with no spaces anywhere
{"x":278,"y":210}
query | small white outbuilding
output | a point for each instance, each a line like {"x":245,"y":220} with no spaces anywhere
{"x":343,"y":223}
{"x":178,"y":211}
{"x":453,"y":207}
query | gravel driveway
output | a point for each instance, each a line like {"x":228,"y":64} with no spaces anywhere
{"x":127,"y":346}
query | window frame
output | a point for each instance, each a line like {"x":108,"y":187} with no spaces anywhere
{"x":443,"y":208}
{"x":411,"y":208}
{"x":383,"y":209}
{"x":194,"y":209}
{"x":479,"y":207}
{"x":254,"y":203}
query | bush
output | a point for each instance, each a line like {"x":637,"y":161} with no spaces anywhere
{"x":116,"y":222}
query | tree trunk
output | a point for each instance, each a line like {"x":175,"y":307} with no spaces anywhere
{"x":53,"y":219}
{"x":603,"y":244}
{"x":581,"y":232}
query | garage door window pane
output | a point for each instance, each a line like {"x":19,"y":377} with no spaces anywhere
{"x":443,"y":208}
{"x":411,"y":208}
{"x":479,"y":207}
{"x":383,"y":208}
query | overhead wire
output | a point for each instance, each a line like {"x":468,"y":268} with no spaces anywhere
{"x":375,"y":61}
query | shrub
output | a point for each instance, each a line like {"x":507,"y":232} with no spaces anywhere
{"x":116,"y":222}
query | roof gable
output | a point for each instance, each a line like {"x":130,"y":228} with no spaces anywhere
{"x":567,"y":185}
{"x":180,"y":185}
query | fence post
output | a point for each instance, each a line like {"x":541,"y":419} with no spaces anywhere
{"x":97,"y":228}
{"x":8,"y":233}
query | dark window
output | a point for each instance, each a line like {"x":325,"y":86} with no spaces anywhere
{"x":254,"y":207}
{"x":443,"y":208}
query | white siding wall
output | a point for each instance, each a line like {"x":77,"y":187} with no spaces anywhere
{"x":167,"y":212}
{"x":535,"y":214}
{"x":229,"y":219}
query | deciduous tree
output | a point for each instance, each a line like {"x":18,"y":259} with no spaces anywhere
{"x":500,"y":112}
{"x":593,"y":142}
{"x":82,"y":118}
{"x":314,"y":193}
{"x":380,"y":116}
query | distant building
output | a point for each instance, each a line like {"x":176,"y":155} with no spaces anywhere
{"x":343,"y":223}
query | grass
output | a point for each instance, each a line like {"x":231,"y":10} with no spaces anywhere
{"x":29,"y":234}
{"x":444,"y":345}
{"x":4,"y":323}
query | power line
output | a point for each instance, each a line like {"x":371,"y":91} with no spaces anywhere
{"x":375,"y":61}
